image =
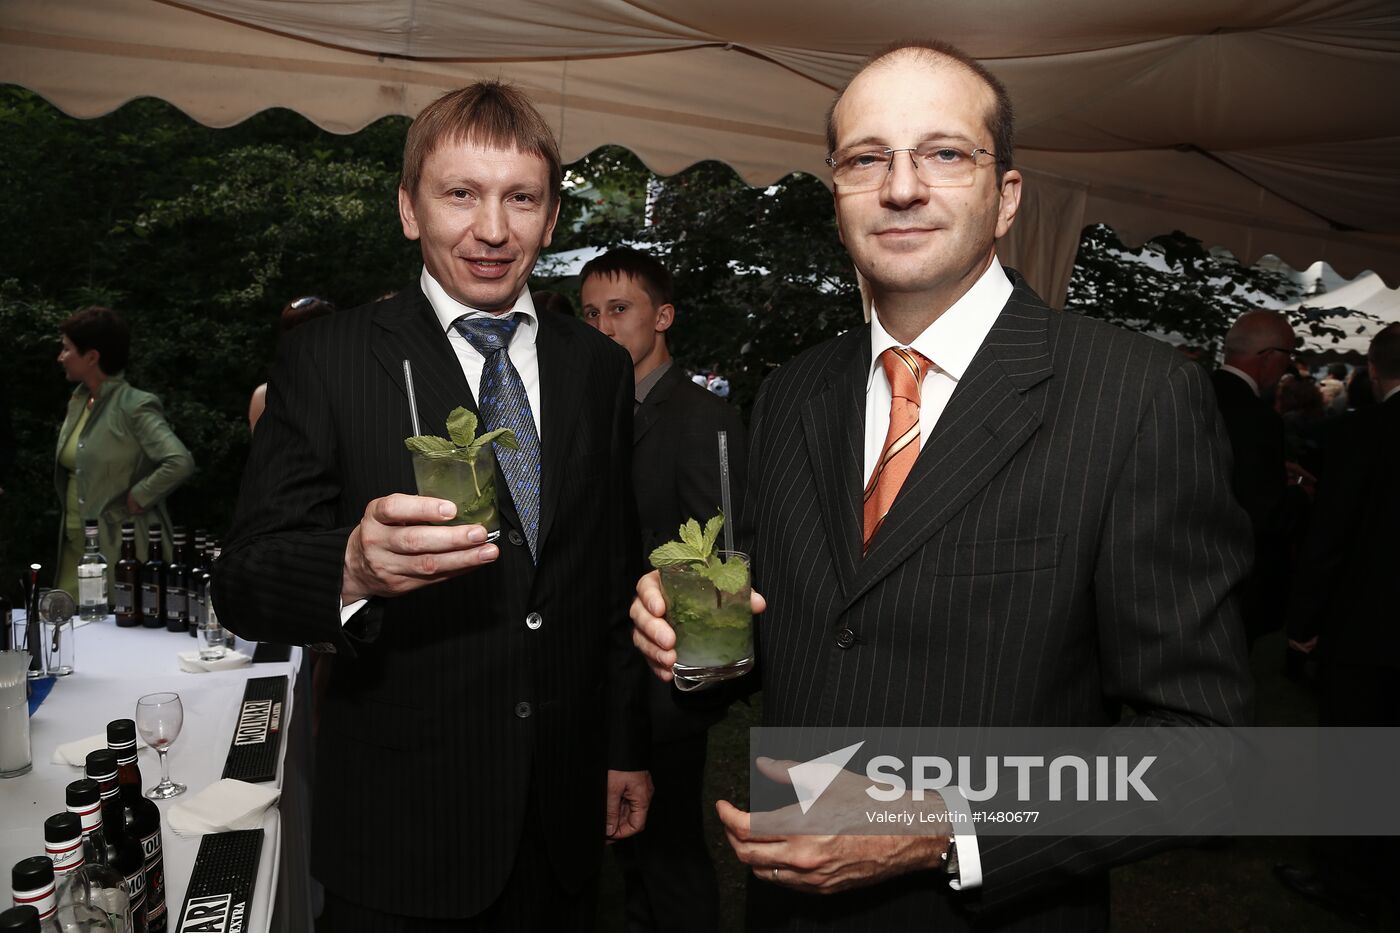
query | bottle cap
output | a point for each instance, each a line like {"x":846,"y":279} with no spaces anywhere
{"x":90,"y":523}
{"x":32,"y":874}
{"x":102,"y":765}
{"x":129,"y":526}
{"x":120,"y":732}
{"x":62,"y":827}
{"x":21,"y":919}
{"x":83,"y":793}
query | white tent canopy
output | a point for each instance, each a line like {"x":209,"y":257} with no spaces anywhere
{"x":1262,"y":126}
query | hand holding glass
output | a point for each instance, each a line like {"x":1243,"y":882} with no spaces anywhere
{"x":159,"y":717}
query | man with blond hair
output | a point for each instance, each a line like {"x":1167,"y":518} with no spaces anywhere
{"x":483,"y":730}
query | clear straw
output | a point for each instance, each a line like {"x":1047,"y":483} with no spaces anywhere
{"x":725,"y":502}
{"x":412,"y":399}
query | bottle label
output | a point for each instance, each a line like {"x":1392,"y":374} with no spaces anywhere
{"x":150,"y":599}
{"x":136,"y":889}
{"x":91,"y":815}
{"x":124,"y":597}
{"x":92,"y":589}
{"x":44,"y":900}
{"x":67,"y":856}
{"x":174,"y":602}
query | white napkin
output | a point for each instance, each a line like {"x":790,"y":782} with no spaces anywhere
{"x":222,"y":806}
{"x":190,"y":662}
{"x":75,"y":752}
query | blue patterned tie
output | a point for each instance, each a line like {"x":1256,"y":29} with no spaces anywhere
{"x":504,"y":404}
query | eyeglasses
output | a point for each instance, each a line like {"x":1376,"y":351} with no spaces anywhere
{"x":303,"y":302}
{"x":865,"y":168}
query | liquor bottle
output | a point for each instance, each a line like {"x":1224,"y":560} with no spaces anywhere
{"x":109,"y":887}
{"x":32,"y":884}
{"x":123,"y":853}
{"x":142,"y":819}
{"x":92,"y":577}
{"x":199,"y":566}
{"x":82,"y":888}
{"x":153,"y":583}
{"x":126,"y":590}
{"x":176,"y":602}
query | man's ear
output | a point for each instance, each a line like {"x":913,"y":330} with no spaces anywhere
{"x":407,"y":216}
{"x":1010,"y":201}
{"x":665,"y":317}
{"x":553,"y":219}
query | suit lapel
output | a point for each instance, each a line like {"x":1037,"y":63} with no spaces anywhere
{"x":650,"y":410}
{"x":833,"y":421}
{"x":410,"y":331}
{"x":562,"y":388}
{"x":986,"y":421}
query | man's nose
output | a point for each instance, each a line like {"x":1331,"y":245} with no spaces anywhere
{"x":902,"y":187}
{"x":605,"y":324}
{"x":489,"y":224}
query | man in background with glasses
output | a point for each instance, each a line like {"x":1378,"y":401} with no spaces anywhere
{"x":975,"y":511}
{"x":1259,"y":349}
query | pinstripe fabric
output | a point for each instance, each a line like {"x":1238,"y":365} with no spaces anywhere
{"x":905,"y":370}
{"x":1065,"y":546}
{"x":424,"y":756}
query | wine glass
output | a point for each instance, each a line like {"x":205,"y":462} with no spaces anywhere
{"x":159,"y":717}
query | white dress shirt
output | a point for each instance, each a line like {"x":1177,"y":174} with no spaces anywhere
{"x":522,"y":353}
{"x":949,"y":343}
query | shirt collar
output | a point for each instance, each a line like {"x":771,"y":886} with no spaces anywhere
{"x":1391,"y":394}
{"x":449,"y":309}
{"x":954,"y":338}
{"x":650,"y":380}
{"x":1248,"y":379}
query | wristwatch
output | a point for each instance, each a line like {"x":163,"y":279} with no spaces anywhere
{"x":950,"y":857}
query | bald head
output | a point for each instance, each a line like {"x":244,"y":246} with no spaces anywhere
{"x":1261,"y":343}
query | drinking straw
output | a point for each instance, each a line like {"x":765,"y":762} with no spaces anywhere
{"x":412,"y":399}
{"x":724,"y":490}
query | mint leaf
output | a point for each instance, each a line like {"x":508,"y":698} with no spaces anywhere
{"x":675,"y":552}
{"x":712,"y":529}
{"x":729,"y":576}
{"x":502,"y":436}
{"x":428,"y":444}
{"x":461,"y":426}
{"x":693,"y":536}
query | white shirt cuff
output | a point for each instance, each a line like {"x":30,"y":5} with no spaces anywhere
{"x":348,"y":612}
{"x":969,"y":874}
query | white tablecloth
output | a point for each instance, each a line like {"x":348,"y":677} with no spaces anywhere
{"x":113,"y":668}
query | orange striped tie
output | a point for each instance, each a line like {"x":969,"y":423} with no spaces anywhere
{"x":905,"y":370}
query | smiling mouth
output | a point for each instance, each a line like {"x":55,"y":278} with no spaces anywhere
{"x":488,"y":268}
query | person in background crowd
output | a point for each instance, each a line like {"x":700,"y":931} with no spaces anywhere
{"x":627,"y":295}
{"x":718,"y":385}
{"x":972,"y":511}
{"x":1258,"y":349}
{"x":1299,"y":403}
{"x":1334,"y":389}
{"x":553,"y":301}
{"x":1343,"y":611}
{"x":1359,"y":393}
{"x":295,"y":314}
{"x":117,"y":460}
{"x":483,"y":732}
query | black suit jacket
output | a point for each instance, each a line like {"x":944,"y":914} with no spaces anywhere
{"x":444,"y":706}
{"x":1066,"y":545}
{"x":1257,"y":477}
{"x":1347,"y":591}
{"x":675,"y":473}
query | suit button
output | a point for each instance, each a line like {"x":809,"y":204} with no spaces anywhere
{"x":515,"y":537}
{"x":523,"y":710}
{"x":845,"y":638}
{"x":533,"y":621}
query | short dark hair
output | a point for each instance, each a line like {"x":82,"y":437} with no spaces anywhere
{"x":1001,"y":122}
{"x":300,"y":310}
{"x":1385,"y":351}
{"x":490,"y":113}
{"x":103,"y":330}
{"x":645,"y":269}
{"x":1337,"y":370}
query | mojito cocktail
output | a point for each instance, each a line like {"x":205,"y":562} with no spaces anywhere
{"x":465,"y":476}
{"x":714,"y":629}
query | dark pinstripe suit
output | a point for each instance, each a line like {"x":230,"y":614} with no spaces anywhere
{"x":445,"y":706}
{"x":1065,"y":543}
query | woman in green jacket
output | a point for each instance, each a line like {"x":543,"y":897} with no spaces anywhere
{"x":118,"y":459}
